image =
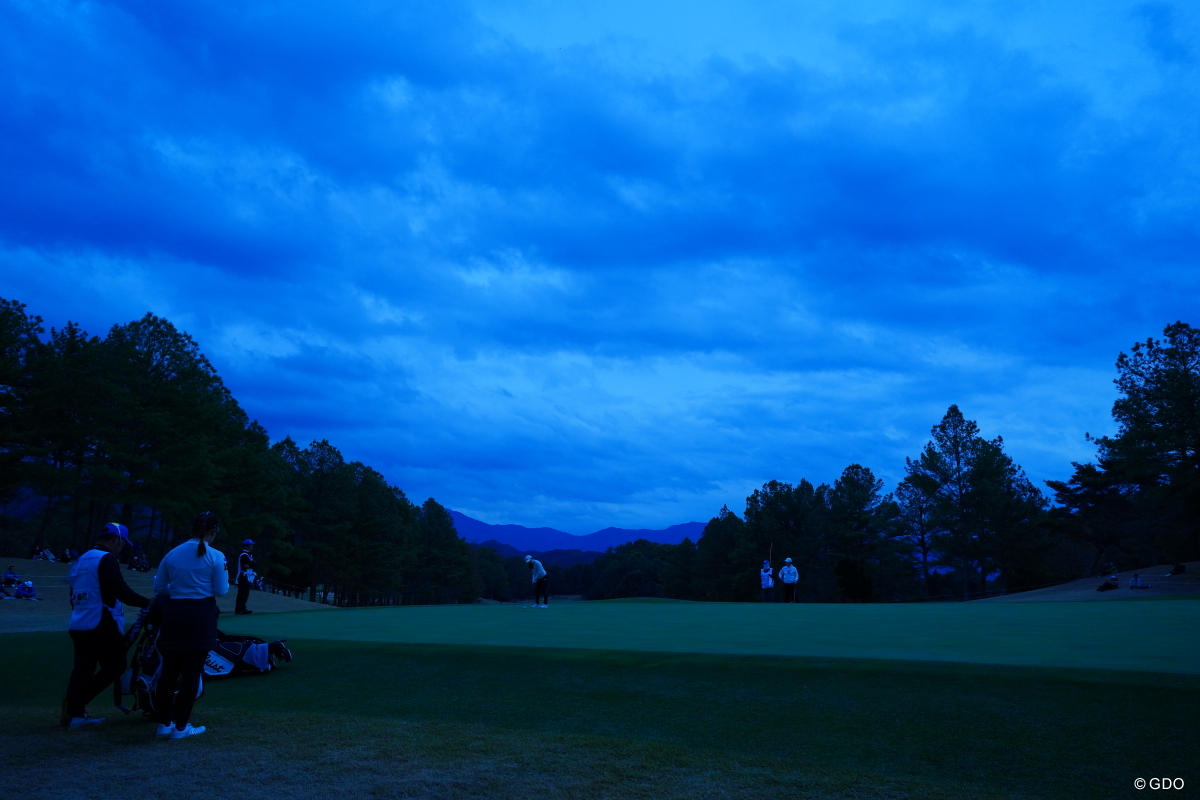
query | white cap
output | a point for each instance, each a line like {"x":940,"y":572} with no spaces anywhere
{"x":787,"y":561}
{"x":528,"y":559}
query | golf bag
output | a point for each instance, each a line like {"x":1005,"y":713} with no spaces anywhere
{"x":141,"y":679}
{"x":234,"y":655}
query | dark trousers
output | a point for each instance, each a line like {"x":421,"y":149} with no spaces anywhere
{"x":540,"y":590}
{"x":243,"y":593}
{"x":768,"y":594}
{"x":180,"y":671}
{"x":789,"y":593}
{"x":102,"y":646}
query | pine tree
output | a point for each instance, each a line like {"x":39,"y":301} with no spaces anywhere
{"x":714,"y":570}
{"x":1141,"y":498}
{"x":916,"y":504}
{"x":862,"y":525}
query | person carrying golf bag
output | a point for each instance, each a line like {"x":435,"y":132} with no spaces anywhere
{"x":97,"y":624}
{"x":245,"y":577}
{"x":541,"y":593}
{"x":768,"y":582}
{"x":190,"y":579}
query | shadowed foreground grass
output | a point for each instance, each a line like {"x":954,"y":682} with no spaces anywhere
{"x":394,"y":720}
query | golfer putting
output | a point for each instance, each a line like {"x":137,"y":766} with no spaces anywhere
{"x":538,"y":574}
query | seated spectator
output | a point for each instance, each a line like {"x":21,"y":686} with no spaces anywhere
{"x":1179,"y":569}
{"x":1109,"y":585}
{"x":10,"y":578}
{"x":1136,"y":583}
{"x":25,"y":591}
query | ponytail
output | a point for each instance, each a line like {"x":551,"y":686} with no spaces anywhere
{"x":205,"y":521}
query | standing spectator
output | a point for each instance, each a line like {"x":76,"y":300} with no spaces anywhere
{"x":245,"y":577}
{"x":540,"y":589}
{"x":97,"y":627}
{"x":768,"y":583}
{"x":190,"y":579}
{"x":789,"y":575}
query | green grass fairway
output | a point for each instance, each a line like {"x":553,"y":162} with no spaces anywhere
{"x":1150,"y":637}
{"x":382,"y":720}
{"x":654,"y":700}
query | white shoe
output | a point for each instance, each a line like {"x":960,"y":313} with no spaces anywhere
{"x":82,"y":722}
{"x":186,"y":732}
{"x":163,"y":731}
{"x":543,"y":606}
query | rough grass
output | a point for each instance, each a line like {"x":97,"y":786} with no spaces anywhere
{"x":395,"y":720}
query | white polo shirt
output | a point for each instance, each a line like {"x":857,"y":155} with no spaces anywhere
{"x":183,"y":575}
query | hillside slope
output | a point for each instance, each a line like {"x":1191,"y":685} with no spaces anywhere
{"x":54,"y":611}
{"x":1161,"y":585}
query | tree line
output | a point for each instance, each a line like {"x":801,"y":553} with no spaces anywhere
{"x":964,"y":522}
{"x":137,"y":427}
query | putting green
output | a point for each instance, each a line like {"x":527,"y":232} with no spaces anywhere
{"x":1146,"y":637}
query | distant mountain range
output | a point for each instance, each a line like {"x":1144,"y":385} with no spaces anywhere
{"x":543,"y":539}
{"x":563,"y":558}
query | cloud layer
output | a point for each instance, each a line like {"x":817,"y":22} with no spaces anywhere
{"x":561,"y":268}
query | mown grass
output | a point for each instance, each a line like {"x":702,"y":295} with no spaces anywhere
{"x":395,"y":720}
{"x":1120,"y":636}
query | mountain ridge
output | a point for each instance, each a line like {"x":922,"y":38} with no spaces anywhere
{"x":543,"y":539}
{"x":563,"y":558}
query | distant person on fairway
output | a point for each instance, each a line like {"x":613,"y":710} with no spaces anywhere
{"x":768,"y":583}
{"x":789,"y":575}
{"x":538,"y":573}
{"x":190,"y":579}
{"x":97,"y":625}
{"x":245,"y":577}
{"x":1136,"y":583}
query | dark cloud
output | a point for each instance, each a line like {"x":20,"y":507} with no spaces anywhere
{"x":557,"y":287}
{"x":1162,"y":32}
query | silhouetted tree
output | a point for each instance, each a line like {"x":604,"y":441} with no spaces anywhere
{"x":138,"y":427}
{"x":1141,"y":499}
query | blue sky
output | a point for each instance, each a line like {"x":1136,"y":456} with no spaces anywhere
{"x":590,"y":264}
